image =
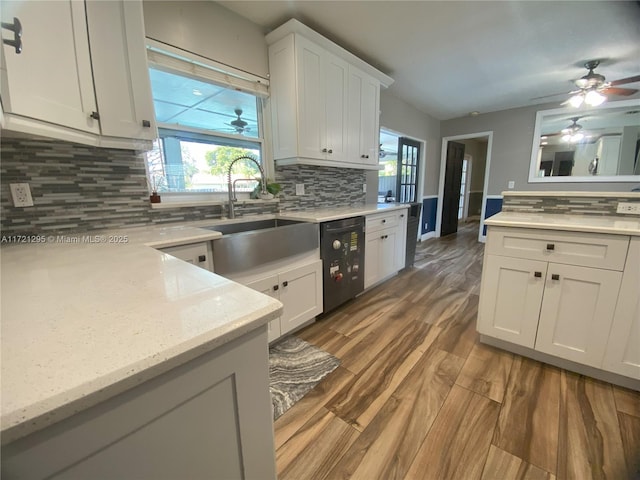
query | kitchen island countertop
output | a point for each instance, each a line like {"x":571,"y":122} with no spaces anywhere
{"x":617,"y":225}
{"x":83,"y":322}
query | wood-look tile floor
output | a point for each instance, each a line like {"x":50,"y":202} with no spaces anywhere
{"x":418,"y":397}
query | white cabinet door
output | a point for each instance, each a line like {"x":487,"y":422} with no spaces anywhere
{"x":336,"y":81}
{"x":301,"y":295}
{"x":311,"y":125}
{"x":623,"y":348}
{"x":510,"y":298}
{"x":269,"y":286}
{"x":120,"y":72}
{"x":401,"y":240}
{"x":51,"y":79}
{"x":372,"y":248}
{"x":380,"y":255}
{"x":363,"y":130}
{"x":577,"y":312}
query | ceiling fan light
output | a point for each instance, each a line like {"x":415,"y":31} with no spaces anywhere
{"x":594,"y":98}
{"x":566,"y":138}
{"x":576,"y":100}
{"x":577,"y":137}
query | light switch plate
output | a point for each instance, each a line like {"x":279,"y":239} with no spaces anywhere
{"x":21,"y":195}
{"x":511,"y":184}
{"x":299,"y":188}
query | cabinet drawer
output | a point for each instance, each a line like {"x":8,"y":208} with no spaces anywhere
{"x":379,"y":221}
{"x":574,"y":248}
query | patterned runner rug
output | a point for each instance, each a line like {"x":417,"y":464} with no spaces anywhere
{"x":295,"y":367}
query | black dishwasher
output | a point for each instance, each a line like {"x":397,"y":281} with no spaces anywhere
{"x":342,"y":252}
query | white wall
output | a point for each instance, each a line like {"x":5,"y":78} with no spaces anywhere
{"x":210,"y":30}
{"x":511,"y":151}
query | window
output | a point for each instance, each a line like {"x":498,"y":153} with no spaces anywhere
{"x":204,"y":124}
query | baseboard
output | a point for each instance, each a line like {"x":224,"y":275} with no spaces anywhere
{"x":428,"y":235}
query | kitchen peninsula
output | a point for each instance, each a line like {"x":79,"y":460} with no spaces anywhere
{"x":112,"y":348}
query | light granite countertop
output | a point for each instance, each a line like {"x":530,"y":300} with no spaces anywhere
{"x":82,"y":322}
{"x":577,"y":223}
{"x":86,"y":317}
{"x":330,"y":214}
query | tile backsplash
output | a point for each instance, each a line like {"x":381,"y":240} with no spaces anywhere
{"x":79,"y":188}
{"x":575,"y":205}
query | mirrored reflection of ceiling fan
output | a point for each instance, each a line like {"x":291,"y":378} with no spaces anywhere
{"x":573,"y":133}
{"x":239,"y":125}
{"x":592,"y":88}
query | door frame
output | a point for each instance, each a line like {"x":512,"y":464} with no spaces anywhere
{"x":443,"y":165}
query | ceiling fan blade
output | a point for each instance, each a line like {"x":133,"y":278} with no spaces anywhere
{"x":623,"y":81}
{"x":619,"y":91}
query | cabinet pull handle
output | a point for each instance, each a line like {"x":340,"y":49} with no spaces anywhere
{"x":202,"y":258}
{"x":537,"y":274}
{"x":551,"y":246}
{"x":402,"y":215}
{"x":16,"y":28}
{"x":362,"y":156}
{"x":555,"y":276}
{"x":366,"y":156}
{"x":276,"y":287}
{"x":146,"y":123}
{"x":285,"y":284}
{"x":330,"y":151}
{"x":324,"y":150}
{"x":384,"y":221}
{"x":95,"y":115}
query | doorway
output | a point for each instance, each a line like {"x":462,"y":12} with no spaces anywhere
{"x":400,"y":159}
{"x":478,"y":146}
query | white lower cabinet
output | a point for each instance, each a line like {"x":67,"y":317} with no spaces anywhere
{"x":539,"y":295}
{"x":199,"y":254}
{"x":622,"y":354}
{"x":385,"y":245}
{"x":300,"y":291}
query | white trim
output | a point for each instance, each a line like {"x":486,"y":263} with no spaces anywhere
{"x":427,"y":197}
{"x":467,"y":183}
{"x":443,"y":165}
{"x":428,"y":235}
{"x":535,"y":147}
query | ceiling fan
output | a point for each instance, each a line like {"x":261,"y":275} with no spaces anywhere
{"x":592,"y":88}
{"x":239,"y":125}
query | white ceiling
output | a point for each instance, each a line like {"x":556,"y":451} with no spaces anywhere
{"x":450,"y":58}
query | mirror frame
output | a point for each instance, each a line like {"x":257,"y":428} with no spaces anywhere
{"x":533,"y":166}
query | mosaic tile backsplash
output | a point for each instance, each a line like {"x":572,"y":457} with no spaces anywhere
{"x":571,"y":205}
{"x":79,"y":188}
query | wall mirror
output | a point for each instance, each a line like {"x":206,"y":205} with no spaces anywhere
{"x":597,"y":144}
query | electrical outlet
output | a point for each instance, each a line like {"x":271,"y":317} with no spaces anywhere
{"x":511,"y":184}
{"x":299,"y":188}
{"x":21,"y":195}
{"x":628,"y":208}
{"x":364,"y":188}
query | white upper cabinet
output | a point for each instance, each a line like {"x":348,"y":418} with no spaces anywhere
{"x":324,"y":101}
{"x":50,"y":80}
{"x":82,"y":74}
{"x":363,"y":118}
{"x":120,"y":72}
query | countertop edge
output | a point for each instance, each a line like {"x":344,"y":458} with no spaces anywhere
{"x":513,"y":221}
{"x":74,"y":401}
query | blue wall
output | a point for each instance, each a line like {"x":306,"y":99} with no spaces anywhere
{"x":493,"y":206}
{"x":429,"y":210}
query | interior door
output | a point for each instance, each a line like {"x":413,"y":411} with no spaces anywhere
{"x":452,"y":181}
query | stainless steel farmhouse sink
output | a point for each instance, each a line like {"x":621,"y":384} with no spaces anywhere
{"x":246,"y":245}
